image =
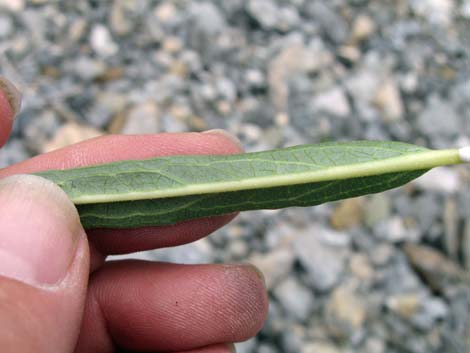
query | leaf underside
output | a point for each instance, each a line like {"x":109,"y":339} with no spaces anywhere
{"x":186,"y":173}
{"x":134,"y":214}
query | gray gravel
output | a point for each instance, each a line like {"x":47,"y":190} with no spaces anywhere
{"x":385,"y":274}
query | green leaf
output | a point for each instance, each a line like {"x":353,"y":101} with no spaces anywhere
{"x":168,"y":190}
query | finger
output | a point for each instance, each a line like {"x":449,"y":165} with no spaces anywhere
{"x":112,"y":242}
{"x":10,"y":99}
{"x":166,"y":307}
{"x":220,"y":348}
{"x":43,"y":267}
{"x":112,"y":148}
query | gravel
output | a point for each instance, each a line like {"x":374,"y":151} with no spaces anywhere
{"x":384,"y":274}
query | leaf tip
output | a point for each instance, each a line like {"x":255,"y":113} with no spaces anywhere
{"x":464,"y":154}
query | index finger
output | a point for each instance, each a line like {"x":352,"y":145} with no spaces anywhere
{"x":124,"y":147}
{"x":9,"y":106}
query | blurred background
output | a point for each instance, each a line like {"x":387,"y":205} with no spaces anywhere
{"x":387,"y":273}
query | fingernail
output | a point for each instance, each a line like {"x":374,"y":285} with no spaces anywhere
{"x":226,"y":134}
{"x":12,"y":94}
{"x":232,"y":348}
{"x":39,"y":230}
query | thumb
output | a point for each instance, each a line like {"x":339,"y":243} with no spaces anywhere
{"x":44,"y":267}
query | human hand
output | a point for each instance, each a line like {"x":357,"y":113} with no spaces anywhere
{"x":58,"y":294}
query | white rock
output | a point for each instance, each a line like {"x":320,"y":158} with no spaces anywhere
{"x":444,"y":179}
{"x":12,"y":5}
{"x":6,"y":25}
{"x":388,"y":100}
{"x":324,"y":263}
{"x":435,"y":11}
{"x":363,"y":27}
{"x":296,"y":299}
{"x":275,"y":265}
{"x":142,"y":119}
{"x":102,"y":42}
{"x":334,"y":102}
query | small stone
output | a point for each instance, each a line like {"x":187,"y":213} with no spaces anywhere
{"x":87,"y":68}
{"x":318,"y":347}
{"x":377,"y":208}
{"x":439,"y":272}
{"x":142,"y":119}
{"x":431,"y":310}
{"x":466,"y":245}
{"x":363,"y":86}
{"x":333,"y":102}
{"x":381,"y":254}
{"x":172,"y":44}
{"x":374,"y":345}
{"x":348,"y":214}
{"x":388,"y":100}
{"x":438,"y":119}
{"x":345,"y":313}
{"x":324,"y":264}
{"x":265,"y":12}
{"x":405,"y":305}
{"x":394,"y":230}
{"x":13,"y":152}
{"x":294,"y":59}
{"x":330,"y":20}
{"x":102,"y":42}
{"x":207,"y":18}
{"x":166,"y":12}
{"x":77,"y":29}
{"x":120,"y":22}
{"x":275,"y":265}
{"x":437,"y":12}
{"x":451,"y":232}
{"x":443,"y":179}
{"x":296,"y":300}
{"x":6,"y":25}
{"x":363,"y":28}
{"x":247,"y":346}
{"x":361,"y":268}
{"x":12,"y":5}
{"x":69,"y":134}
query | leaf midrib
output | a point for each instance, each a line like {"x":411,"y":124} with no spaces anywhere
{"x":419,"y":160}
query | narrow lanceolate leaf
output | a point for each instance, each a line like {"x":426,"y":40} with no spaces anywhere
{"x":167,"y":190}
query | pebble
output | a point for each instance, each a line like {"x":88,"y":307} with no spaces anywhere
{"x":333,"y":102}
{"x":102,"y":42}
{"x":142,"y":119}
{"x":443,"y":179}
{"x":363,"y":28}
{"x":293,"y":59}
{"x":318,"y":347}
{"x":265,"y":12}
{"x":275,"y":265}
{"x":348,"y":214}
{"x":388,"y":100}
{"x":295,"y":298}
{"x":377,"y":208}
{"x":345,"y":313}
{"x":324,"y":264}
{"x":69,"y":134}
{"x":439,"y":12}
{"x":466,"y":245}
{"x":12,"y":5}
{"x":438,"y":119}
{"x":440,"y":273}
{"x":6,"y":26}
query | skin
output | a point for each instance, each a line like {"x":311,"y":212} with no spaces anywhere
{"x":100,"y":306}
